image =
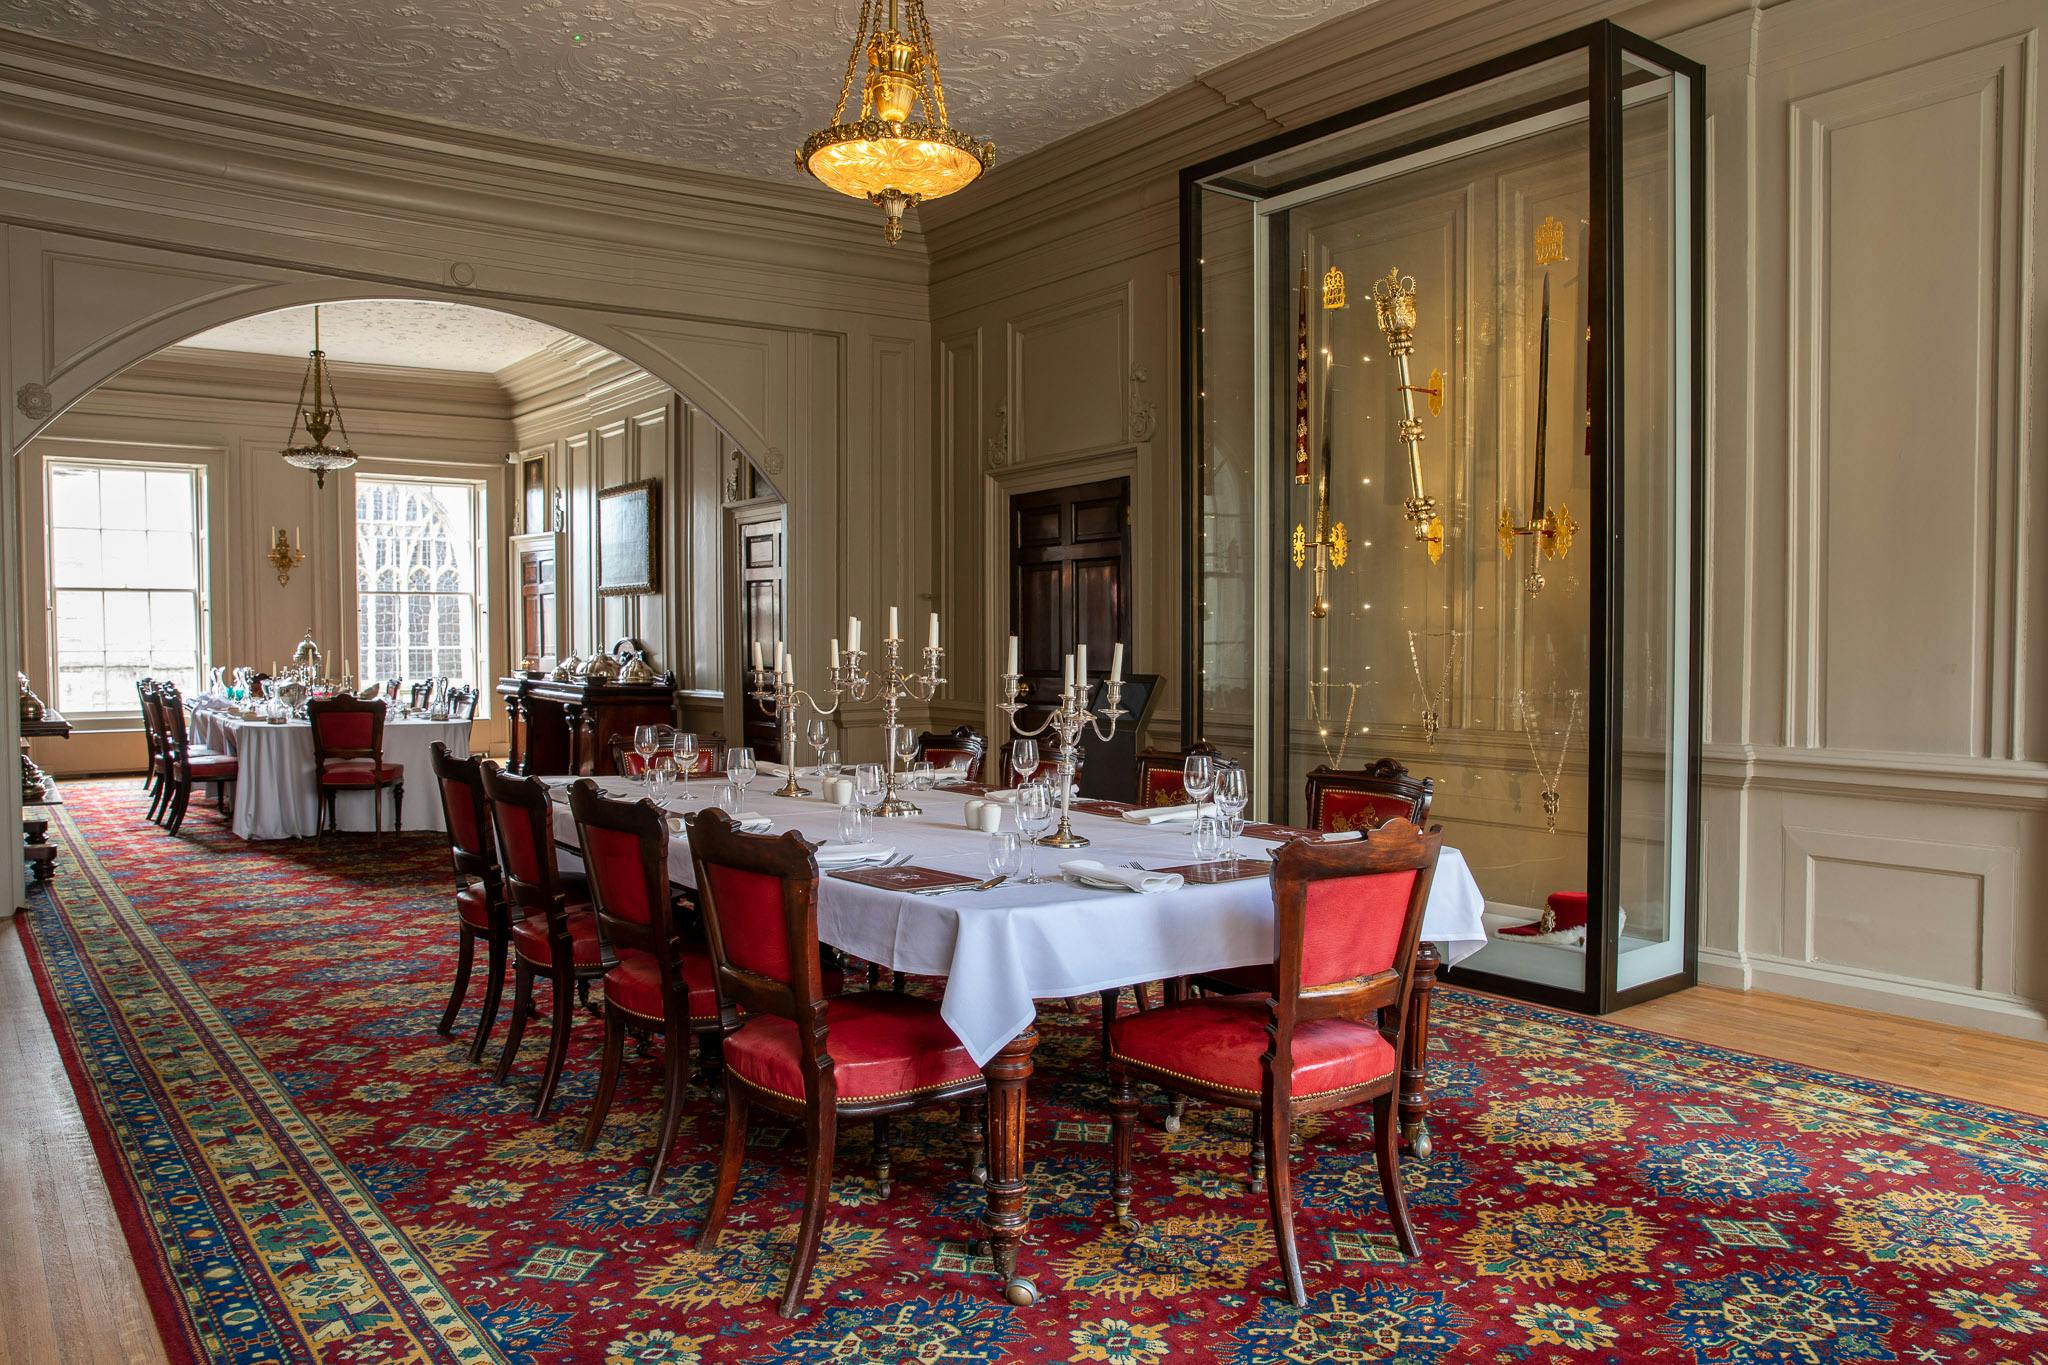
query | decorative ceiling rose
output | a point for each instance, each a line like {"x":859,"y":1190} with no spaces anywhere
{"x":322,"y":417}
{"x":884,"y":156}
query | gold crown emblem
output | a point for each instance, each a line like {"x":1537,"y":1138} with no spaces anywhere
{"x":1333,"y":288}
{"x":1393,"y":298}
{"x":1549,"y":241}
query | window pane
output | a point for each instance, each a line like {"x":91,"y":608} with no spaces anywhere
{"x":124,"y":499}
{"x":74,"y":496}
{"x":170,"y":500}
{"x":172,"y":628}
{"x":75,"y":558}
{"x":172,"y":560}
{"x":415,"y":572}
{"x":127,"y":559}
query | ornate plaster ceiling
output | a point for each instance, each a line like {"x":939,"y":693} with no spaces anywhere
{"x":732,"y":85}
{"x":414,"y":333}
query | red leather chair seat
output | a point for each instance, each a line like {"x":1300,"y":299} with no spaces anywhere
{"x":360,"y":772}
{"x":635,"y":984}
{"x":1219,"y":1042}
{"x":883,"y":1046}
{"x":530,"y":939}
{"x":215,"y":767}
{"x":469,"y":903}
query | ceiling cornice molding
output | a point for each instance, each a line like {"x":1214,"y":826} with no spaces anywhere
{"x":1339,"y":65}
{"x":243,"y":375}
{"x":569,"y":379}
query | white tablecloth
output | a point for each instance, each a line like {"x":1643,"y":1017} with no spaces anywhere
{"x":1003,"y":949}
{"x":275,"y":796}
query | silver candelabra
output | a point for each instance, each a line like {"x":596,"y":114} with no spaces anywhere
{"x":776,"y":690}
{"x":1067,"y":722}
{"x":892,"y":686}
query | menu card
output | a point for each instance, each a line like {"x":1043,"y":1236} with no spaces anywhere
{"x":1279,"y":834}
{"x":1214,"y":874}
{"x":910,"y":878}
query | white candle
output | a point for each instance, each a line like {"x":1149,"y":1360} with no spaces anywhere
{"x":757,"y":656}
{"x":835,"y":655}
{"x":1116,"y":663}
{"x":789,"y":667}
{"x":781,"y":657}
{"x":1013,"y":656}
{"x":892,"y":635}
{"x":853,"y":633}
{"x":935,"y":630}
{"x":1068,"y":684}
{"x":1081,"y":665}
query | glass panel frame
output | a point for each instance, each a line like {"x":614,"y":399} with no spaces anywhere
{"x":1663,"y":711}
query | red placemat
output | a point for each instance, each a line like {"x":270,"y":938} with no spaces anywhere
{"x":1111,"y":809}
{"x":910,"y":878}
{"x":1279,"y":834}
{"x":1213,"y":874}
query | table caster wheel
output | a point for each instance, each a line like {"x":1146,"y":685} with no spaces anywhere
{"x":1127,"y":1225}
{"x":980,"y":1248}
{"x":1171,"y":1123}
{"x":1417,"y":1142}
{"x":1021,"y":1292}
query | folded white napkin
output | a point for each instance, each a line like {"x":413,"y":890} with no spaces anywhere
{"x":834,"y":854}
{"x":1092,"y":873}
{"x":1339,"y":836}
{"x":770,"y":768}
{"x":1167,"y":815}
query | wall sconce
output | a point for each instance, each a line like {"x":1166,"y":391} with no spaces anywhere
{"x":284,"y":556}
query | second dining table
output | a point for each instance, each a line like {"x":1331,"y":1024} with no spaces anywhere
{"x":999,"y":951}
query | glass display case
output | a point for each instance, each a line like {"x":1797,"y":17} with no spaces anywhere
{"x":1442,"y":368}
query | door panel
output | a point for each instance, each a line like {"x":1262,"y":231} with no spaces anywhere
{"x":762,"y":617}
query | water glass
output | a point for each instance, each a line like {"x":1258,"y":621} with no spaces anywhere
{"x":1035,"y":813}
{"x":830,"y":759}
{"x":1198,"y":778}
{"x":1023,"y":759}
{"x":817,"y":736}
{"x":1233,"y":791}
{"x":1209,"y":838}
{"x":1005,"y":853}
{"x":870,"y":786}
{"x":853,"y":824}
{"x":923,"y":775}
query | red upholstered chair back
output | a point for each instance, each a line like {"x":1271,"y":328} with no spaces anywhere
{"x":1340,"y":800}
{"x":759,"y":894}
{"x":626,"y":760}
{"x":170,"y":714}
{"x":625,"y":857}
{"x":462,"y":702}
{"x":345,"y":728}
{"x":1347,"y":917}
{"x":962,"y":742}
{"x":467,"y":813}
{"x":522,"y":818}
{"x":1159,"y":773}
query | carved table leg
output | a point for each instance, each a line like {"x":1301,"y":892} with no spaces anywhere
{"x":1009,"y":1204}
{"x":1415,"y":1054}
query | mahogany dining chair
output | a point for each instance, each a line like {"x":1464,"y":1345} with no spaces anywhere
{"x":789,"y":1048}
{"x":348,"y":756}
{"x":1329,"y":1034}
{"x":480,"y":910}
{"x":551,"y":936}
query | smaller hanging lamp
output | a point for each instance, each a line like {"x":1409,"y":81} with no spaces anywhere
{"x":322,"y":417}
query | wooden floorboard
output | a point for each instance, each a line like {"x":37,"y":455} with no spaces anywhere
{"x":1984,"y":1067}
{"x":71,"y":1295}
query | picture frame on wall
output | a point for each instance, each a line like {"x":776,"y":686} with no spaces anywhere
{"x":628,"y":526}
{"x":533,"y":493}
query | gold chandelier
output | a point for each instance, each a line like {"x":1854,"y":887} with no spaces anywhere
{"x":322,"y":417}
{"x":883,"y":156}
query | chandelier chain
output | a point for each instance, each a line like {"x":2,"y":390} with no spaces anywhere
{"x":935,"y":89}
{"x":867,"y":10}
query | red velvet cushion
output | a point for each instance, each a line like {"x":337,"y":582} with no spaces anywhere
{"x":530,"y":939}
{"x":344,"y":729}
{"x":750,"y":924}
{"x":465,"y":826}
{"x":635,"y":984}
{"x":469,"y":903}
{"x":883,"y":1046}
{"x":214,"y":767}
{"x":360,"y":772}
{"x":611,"y":859}
{"x":1354,"y":926}
{"x":1342,"y":811}
{"x":1219,"y":1042}
{"x":524,"y":858}
{"x":1163,"y":787}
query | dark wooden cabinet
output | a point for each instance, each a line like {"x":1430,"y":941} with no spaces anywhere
{"x":564,"y":727}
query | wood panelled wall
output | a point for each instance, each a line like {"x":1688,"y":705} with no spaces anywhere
{"x":1876,"y":805}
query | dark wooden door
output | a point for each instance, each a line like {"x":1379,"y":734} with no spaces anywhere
{"x":763,"y":618}
{"x":1070,"y":552}
{"x":537,"y":605}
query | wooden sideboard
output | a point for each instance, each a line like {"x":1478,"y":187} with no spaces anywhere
{"x":564,"y":727}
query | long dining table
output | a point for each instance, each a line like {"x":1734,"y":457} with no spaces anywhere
{"x":1002,"y":950}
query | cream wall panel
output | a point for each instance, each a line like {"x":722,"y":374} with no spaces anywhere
{"x":1067,"y":368}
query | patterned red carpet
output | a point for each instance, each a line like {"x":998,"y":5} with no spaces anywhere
{"x":308,"y":1172}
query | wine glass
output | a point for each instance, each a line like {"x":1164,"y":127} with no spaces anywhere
{"x":1035,"y":811}
{"x":923,"y":775}
{"x":644,"y":744}
{"x":1233,"y":790}
{"x":1024,"y":759}
{"x":740,"y":770}
{"x":903,"y":743}
{"x":817,"y":736}
{"x":870,"y":786}
{"x":1198,"y":778}
{"x":685,"y":748}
